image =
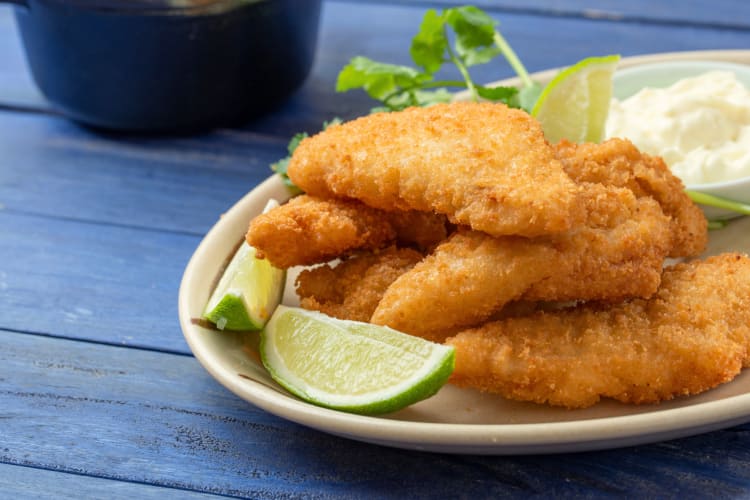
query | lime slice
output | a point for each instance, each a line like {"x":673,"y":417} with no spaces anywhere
{"x":349,"y":365}
{"x":247,"y":293}
{"x":574,"y":105}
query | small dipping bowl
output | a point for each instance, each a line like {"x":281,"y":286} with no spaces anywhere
{"x":167,"y":65}
{"x":629,"y":81}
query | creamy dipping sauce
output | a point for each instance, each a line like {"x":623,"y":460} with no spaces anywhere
{"x":699,"y":125}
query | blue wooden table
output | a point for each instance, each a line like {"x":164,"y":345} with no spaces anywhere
{"x":100,"y":395}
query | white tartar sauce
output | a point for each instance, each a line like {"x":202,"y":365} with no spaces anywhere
{"x":699,"y":125}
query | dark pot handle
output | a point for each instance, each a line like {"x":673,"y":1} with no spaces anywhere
{"x":22,"y":3}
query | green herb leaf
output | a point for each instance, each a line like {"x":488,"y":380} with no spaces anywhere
{"x":474,"y":34}
{"x":480,"y":55}
{"x":430,"y":97}
{"x":473,"y":27}
{"x":429,"y":44}
{"x":406,"y":98}
{"x":477,"y":41}
{"x":498,"y":94}
{"x":378,"y":79}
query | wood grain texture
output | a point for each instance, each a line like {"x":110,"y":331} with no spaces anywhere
{"x":54,"y":168}
{"x":159,"y":419}
{"x":90,"y":281}
{"x":722,"y":14}
{"x":21,"y":482}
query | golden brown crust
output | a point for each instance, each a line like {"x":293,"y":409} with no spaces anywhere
{"x":617,"y":162}
{"x":481,"y":164}
{"x":309,"y":230}
{"x":473,"y":275}
{"x":352,"y":288}
{"x":610,"y":263}
{"x":691,"y":336}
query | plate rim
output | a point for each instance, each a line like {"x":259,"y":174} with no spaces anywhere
{"x":495,"y":439}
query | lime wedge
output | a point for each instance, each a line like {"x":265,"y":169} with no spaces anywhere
{"x":349,"y":365}
{"x":247,"y":293}
{"x":574,"y":105}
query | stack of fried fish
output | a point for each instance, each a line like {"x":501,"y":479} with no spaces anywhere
{"x":543,"y":265}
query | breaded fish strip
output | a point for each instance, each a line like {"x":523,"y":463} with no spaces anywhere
{"x":309,"y":230}
{"x":473,"y":275}
{"x":617,"y":162}
{"x":462,"y":283}
{"x":610,"y":263}
{"x":352,"y":288}
{"x":483,"y":165}
{"x":693,"y":335}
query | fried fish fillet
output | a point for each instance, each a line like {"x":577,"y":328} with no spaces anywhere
{"x":309,"y":230}
{"x":472,"y":275}
{"x":691,"y":336}
{"x":483,"y":165}
{"x":610,"y":262}
{"x":617,"y":162}
{"x":352,"y":288}
{"x":463,"y":282}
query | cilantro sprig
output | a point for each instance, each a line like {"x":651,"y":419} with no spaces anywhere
{"x":475,"y":40}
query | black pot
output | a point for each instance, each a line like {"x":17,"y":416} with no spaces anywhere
{"x":167,"y":65}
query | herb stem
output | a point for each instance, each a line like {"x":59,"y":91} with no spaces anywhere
{"x":444,"y":83}
{"x":464,"y":72}
{"x":715,"y":201}
{"x":512,"y":59}
{"x":469,"y":83}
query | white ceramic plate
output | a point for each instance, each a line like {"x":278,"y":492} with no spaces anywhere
{"x":455,"y":420}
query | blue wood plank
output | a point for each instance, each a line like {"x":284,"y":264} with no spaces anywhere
{"x":159,"y":419}
{"x":90,"y":281}
{"x":21,"y":483}
{"x":723,"y":13}
{"x":51,"y":167}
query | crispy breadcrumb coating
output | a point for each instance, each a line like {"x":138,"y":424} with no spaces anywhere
{"x":472,"y":275}
{"x":693,"y":335}
{"x":482,"y":164}
{"x":617,"y":162}
{"x":352,"y":288}
{"x":309,"y":230}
